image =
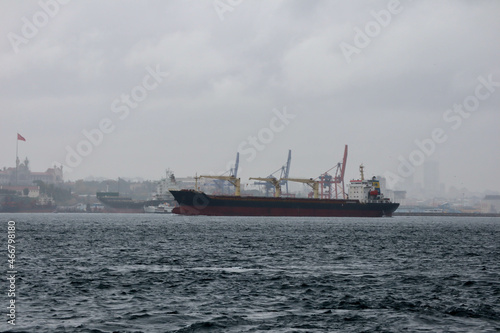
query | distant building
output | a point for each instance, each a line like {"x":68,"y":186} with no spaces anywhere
{"x":22,"y":175}
{"x":399,"y":197}
{"x":490,"y":204}
{"x":25,"y":191}
{"x":431,"y":178}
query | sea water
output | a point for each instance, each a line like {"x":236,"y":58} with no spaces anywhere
{"x":169,"y":273}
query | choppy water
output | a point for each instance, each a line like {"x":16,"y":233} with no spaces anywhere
{"x":159,"y":273}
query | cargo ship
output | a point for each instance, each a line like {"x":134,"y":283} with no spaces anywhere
{"x":114,"y":203}
{"x":363,"y":200}
{"x":13,"y":203}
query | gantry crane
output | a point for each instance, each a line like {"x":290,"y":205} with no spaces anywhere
{"x":234,"y":171}
{"x":326,"y":180}
{"x":311,"y":182}
{"x":284,"y":172}
{"x":221,"y":185}
{"x":271,"y":180}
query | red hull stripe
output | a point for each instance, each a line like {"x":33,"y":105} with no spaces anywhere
{"x":265,"y":211}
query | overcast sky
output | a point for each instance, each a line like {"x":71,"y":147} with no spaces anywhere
{"x":186,"y":84}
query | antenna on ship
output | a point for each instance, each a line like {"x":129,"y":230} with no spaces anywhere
{"x":361,"y":170}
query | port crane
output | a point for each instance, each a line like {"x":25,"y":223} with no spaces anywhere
{"x":234,"y":171}
{"x":220,"y":184}
{"x":314,"y":184}
{"x":327,"y":181}
{"x":284,"y":172}
{"x":272,"y":181}
{"x":233,"y":180}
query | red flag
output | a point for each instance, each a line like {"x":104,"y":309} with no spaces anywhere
{"x":20,"y":137}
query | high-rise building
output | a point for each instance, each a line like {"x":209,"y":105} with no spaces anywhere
{"x":431,"y":178}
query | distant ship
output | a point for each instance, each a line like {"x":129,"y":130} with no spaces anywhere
{"x":162,"y":208}
{"x":364,"y":200}
{"x":13,"y":203}
{"x":114,"y":203}
{"x":160,"y":203}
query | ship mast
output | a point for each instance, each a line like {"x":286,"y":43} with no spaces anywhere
{"x":196,"y":182}
{"x":361,"y":170}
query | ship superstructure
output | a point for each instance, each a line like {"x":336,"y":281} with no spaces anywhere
{"x":366,"y":190}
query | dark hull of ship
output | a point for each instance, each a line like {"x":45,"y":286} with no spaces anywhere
{"x":198,"y":203}
{"x":37,"y":209}
{"x":23,"y":205}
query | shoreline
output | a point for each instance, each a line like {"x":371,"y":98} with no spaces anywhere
{"x":447,"y":214}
